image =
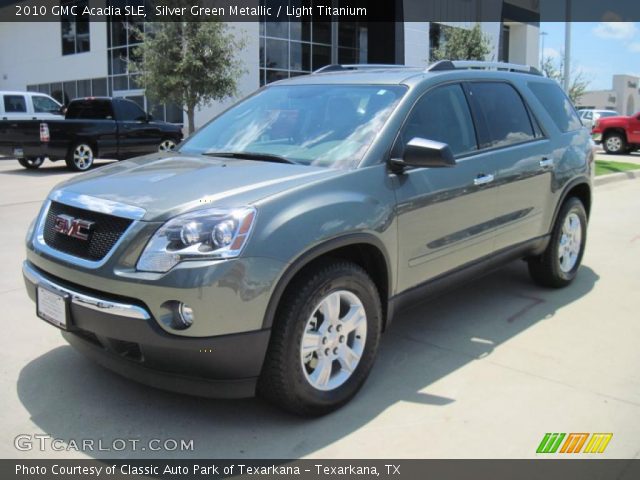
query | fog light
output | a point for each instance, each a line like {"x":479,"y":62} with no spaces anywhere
{"x":185,"y":316}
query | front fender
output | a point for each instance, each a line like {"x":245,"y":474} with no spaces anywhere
{"x":302,"y":224}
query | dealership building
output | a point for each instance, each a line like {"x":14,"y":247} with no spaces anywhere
{"x":69,"y":58}
{"x":623,"y":96}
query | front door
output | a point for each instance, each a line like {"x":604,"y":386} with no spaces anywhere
{"x":445,"y":215}
{"x":634,"y":129}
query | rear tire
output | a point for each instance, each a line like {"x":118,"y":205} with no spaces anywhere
{"x":558,"y":265}
{"x":324,"y":340}
{"x":80,"y":157}
{"x":615,"y":143}
{"x":31,"y":163}
{"x":167,"y":145}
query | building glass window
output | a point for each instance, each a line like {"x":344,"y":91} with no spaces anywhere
{"x":75,"y":29}
{"x":64,"y":92}
{"x":122,"y":39}
{"x":289,"y":49}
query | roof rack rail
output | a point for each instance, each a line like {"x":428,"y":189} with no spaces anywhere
{"x":356,"y":66}
{"x":444,"y":65}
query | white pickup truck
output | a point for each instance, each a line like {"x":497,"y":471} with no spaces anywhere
{"x":29,"y":106}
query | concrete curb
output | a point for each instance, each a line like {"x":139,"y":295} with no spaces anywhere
{"x":616,"y":177}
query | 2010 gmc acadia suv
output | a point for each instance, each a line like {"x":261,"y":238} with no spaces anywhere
{"x":272,"y":248}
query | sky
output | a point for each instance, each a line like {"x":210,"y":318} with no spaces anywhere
{"x":598,"y":50}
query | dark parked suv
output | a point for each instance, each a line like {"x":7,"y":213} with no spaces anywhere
{"x":273,"y":248}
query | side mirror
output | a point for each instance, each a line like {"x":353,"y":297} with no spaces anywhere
{"x":149,"y":117}
{"x":62,"y":110}
{"x":420,"y":152}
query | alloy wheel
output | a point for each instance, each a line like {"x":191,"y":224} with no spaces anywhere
{"x":83,"y":156}
{"x":570,"y":242}
{"x":167,"y":145}
{"x":333,"y":341}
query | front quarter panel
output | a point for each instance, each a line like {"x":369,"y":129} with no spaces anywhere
{"x":360,"y":201}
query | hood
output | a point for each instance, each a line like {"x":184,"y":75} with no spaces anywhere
{"x":616,"y":119}
{"x":167,"y":184}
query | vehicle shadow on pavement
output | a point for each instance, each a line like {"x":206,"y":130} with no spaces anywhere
{"x":69,"y":397}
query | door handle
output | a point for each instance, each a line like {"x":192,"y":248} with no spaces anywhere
{"x":546,"y":162}
{"x":483,"y":179}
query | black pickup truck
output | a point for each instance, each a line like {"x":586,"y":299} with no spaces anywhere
{"x":109,"y":127}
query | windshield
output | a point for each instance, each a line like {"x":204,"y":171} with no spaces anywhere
{"x":321,"y":125}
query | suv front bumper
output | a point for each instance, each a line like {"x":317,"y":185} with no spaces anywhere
{"x":123,"y":336}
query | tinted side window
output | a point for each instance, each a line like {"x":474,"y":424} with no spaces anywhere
{"x":557,"y":105}
{"x":44,"y":105}
{"x":90,"y":110}
{"x":14,"y":104}
{"x":129,"y":111}
{"x":442,"y":115}
{"x":502,"y":113}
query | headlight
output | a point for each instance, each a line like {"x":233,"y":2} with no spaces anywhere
{"x":201,"y":235}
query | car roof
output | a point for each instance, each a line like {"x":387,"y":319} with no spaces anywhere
{"x":17,"y":92}
{"x":399,"y":75}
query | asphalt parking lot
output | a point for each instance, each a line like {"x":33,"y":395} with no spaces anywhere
{"x":482,"y":372}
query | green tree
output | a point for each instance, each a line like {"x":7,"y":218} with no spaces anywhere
{"x":463,"y":44}
{"x":555,"y":70}
{"x":190,"y":64}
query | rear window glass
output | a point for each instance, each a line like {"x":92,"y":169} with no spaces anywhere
{"x":503,"y":114}
{"x":90,"y":109}
{"x":15,"y":104}
{"x":557,"y":105}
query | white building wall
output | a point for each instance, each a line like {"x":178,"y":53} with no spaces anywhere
{"x":523,"y":44}
{"x":624,"y":97}
{"x":31,"y":53}
{"x":416,"y":44}
{"x":249,"y":81}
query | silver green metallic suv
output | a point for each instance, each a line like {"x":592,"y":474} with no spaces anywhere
{"x":270,"y":251}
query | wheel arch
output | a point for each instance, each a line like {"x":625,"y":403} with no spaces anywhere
{"x":579,"y":188}
{"x":611,"y":130}
{"x":366,"y":250}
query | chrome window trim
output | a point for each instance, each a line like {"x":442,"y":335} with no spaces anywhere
{"x":83,"y":300}
{"x":41,"y":246}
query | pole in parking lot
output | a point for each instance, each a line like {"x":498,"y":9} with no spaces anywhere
{"x":567,"y":47}
{"x":542,"y":35}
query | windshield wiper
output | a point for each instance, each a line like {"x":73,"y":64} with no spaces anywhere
{"x":260,"y":157}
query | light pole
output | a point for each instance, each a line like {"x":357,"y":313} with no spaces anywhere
{"x":542,"y":35}
{"x":567,"y":48}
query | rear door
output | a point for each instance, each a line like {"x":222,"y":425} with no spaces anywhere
{"x":137,"y":136}
{"x":523,"y":157}
{"x":445,"y":215}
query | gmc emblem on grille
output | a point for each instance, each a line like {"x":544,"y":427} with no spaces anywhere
{"x":72,"y":227}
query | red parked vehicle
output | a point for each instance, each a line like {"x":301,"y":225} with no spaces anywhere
{"x":618,"y":134}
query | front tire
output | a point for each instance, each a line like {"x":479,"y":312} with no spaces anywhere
{"x":559,"y":263}
{"x":31,"y":163}
{"x":80,"y":157}
{"x":615,"y":143}
{"x":324,"y":340}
